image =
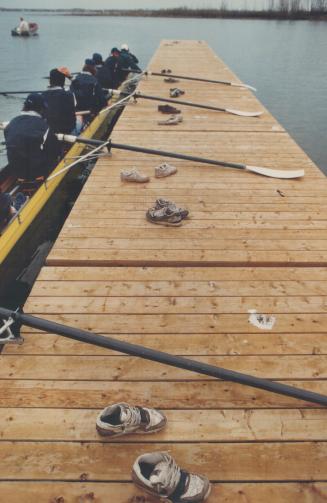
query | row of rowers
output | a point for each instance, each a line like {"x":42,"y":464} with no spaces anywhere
{"x":32,"y":147}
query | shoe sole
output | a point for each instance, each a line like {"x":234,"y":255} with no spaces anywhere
{"x":105,"y":433}
{"x":162,"y":222}
{"x":165,"y":176}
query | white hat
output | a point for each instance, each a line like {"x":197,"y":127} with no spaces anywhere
{"x":124,"y":47}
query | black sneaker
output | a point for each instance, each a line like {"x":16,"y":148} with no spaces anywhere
{"x":167,"y":109}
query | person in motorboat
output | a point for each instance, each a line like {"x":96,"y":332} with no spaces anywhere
{"x":87,"y":90}
{"x":61,"y":104}
{"x":32,"y":147}
{"x":23,"y":28}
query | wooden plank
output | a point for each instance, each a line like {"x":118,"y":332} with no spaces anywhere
{"x":87,"y":492}
{"x":212,"y":394}
{"x":228,"y":462}
{"x":71,"y":425}
{"x":125,"y":368}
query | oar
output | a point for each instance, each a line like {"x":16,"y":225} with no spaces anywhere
{"x":272,"y":173}
{"x":13,"y":320}
{"x":4,"y":93}
{"x":190,"y":104}
{"x":197,"y":79}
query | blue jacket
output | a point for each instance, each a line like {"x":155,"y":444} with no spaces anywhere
{"x":88,"y":92}
{"x":32,"y":148}
{"x":60,"y":113}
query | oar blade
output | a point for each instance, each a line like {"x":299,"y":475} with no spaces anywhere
{"x":245,"y":86}
{"x":243,"y":114}
{"x":275,"y":173}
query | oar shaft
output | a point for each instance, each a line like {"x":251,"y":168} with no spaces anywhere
{"x":164,"y":358}
{"x":179,"y":102}
{"x":161,"y":153}
{"x":197,"y":79}
{"x":19,"y":92}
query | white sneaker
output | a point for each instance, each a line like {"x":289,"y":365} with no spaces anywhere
{"x":172,"y":121}
{"x":158,"y":474}
{"x":164,"y":169}
{"x":133,"y":175}
{"x":120,"y":419}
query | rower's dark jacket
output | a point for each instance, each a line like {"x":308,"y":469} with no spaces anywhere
{"x":60,"y":113}
{"x":88,"y":92}
{"x":5,"y":203}
{"x":111,"y":69}
{"x":126,"y":63}
{"x":32,"y":148}
{"x":106,"y":77}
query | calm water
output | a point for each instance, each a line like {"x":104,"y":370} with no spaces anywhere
{"x":286,"y":61}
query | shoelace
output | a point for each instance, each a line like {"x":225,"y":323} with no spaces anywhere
{"x":133,"y":416}
{"x":168,"y":477}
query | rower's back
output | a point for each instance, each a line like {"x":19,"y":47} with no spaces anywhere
{"x":60,"y":112}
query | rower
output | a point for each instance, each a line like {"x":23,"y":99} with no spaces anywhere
{"x":87,"y":90}
{"x":126,"y":63}
{"x":109,"y":78}
{"x":125,"y":47}
{"x":32,"y":148}
{"x":7,"y":210}
{"x":60,"y":112}
{"x":97,"y":59}
{"x":23,"y":27}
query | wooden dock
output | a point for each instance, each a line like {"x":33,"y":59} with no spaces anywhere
{"x":251,"y":243}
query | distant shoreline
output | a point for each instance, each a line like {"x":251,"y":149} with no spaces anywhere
{"x":183,"y":12}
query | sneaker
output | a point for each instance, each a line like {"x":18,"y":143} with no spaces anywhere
{"x":158,"y":474}
{"x":121,"y":419}
{"x":171,"y":80}
{"x":167,"y":109}
{"x":133,"y":175}
{"x":173,"y":120}
{"x":164,"y":216}
{"x":166,"y":71}
{"x":175,"y":92}
{"x":162,"y":203}
{"x":164,"y":169}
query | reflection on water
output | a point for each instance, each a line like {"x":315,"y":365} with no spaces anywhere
{"x":285,"y":60}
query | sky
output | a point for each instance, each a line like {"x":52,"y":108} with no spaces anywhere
{"x":129,"y":4}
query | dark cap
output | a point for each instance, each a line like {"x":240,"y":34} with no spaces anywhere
{"x":57,"y":77}
{"x":89,"y":62}
{"x":36,"y":102}
{"x":114,"y":49}
{"x":97,"y":58}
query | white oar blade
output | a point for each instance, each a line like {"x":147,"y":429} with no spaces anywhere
{"x":275,"y":173}
{"x":3,"y":125}
{"x":243,"y":114}
{"x":246,"y":86}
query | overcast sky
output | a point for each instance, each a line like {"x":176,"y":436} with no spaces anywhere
{"x":128,"y":4}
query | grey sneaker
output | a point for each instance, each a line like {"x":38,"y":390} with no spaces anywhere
{"x":158,"y":474}
{"x":133,"y":175}
{"x":172,"y":121}
{"x":175,"y":92}
{"x":121,"y":419}
{"x":164,"y":216}
{"x":162,"y":203}
{"x":164,"y":169}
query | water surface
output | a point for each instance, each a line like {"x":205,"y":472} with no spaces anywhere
{"x":285,"y":60}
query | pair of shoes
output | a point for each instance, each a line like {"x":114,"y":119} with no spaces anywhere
{"x":133,"y":175}
{"x":164,"y":170}
{"x":161,"y":203}
{"x":165,"y":71}
{"x":166,"y":213}
{"x":172,"y":121}
{"x":171,"y":80}
{"x":167,"y":109}
{"x":175,"y":92}
{"x":157,"y":473}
